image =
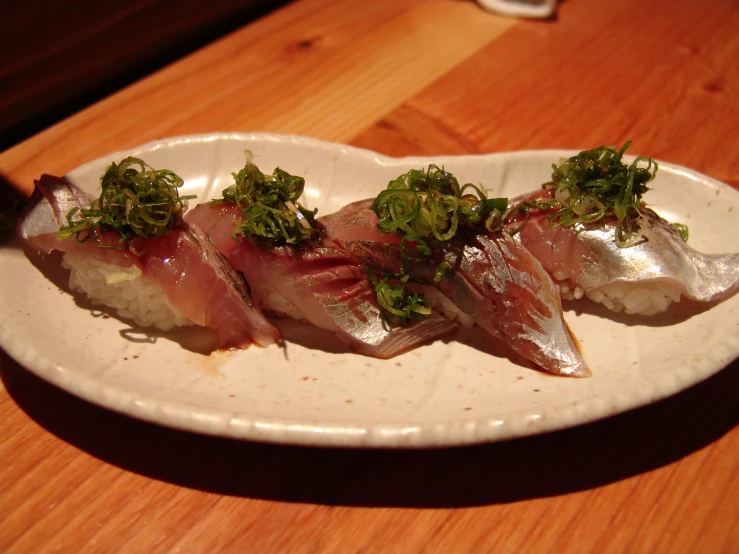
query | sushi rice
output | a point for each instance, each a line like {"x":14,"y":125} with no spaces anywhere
{"x":132,"y":295}
{"x":648,"y":298}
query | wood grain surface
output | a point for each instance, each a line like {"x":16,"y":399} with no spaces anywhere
{"x":325,"y":69}
{"x":46,"y":67}
{"x":402,"y":77}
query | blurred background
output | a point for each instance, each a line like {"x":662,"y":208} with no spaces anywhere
{"x":57,"y":57}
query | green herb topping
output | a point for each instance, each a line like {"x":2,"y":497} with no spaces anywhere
{"x":682,"y":230}
{"x":596,"y":184}
{"x":135,"y":201}
{"x":428,"y":204}
{"x":431,"y":204}
{"x":422,"y":204}
{"x":399,"y":305}
{"x":269,"y":205}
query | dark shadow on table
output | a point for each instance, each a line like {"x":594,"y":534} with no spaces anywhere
{"x":11,"y":203}
{"x":552,"y":464}
{"x":60,"y":57}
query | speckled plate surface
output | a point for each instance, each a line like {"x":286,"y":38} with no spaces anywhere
{"x":313,"y":391}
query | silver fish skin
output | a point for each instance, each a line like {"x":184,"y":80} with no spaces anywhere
{"x":323,"y":285}
{"x":586,"y":257}
{"x":46,"y":209}
{"x":492,"y":280}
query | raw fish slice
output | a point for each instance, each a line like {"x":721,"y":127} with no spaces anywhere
{"x":491,"y":279}
{"x":644,"y":278}
{"x":323,"y":285}
{"x":197,"y":281}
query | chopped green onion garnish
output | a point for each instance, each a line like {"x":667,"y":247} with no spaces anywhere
{"x":399,"y":305}
{"x":596,"y":184}
{"x":682,"y":230}
{"x":271,"y":213}
{"x":422,"y":205}
{"x":135,"y":201}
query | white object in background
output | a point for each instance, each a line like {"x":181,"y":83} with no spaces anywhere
{"x":521,"y":8}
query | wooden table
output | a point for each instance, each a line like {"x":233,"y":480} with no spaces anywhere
{"x":402,"y":77}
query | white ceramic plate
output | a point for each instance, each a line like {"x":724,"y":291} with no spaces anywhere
{"x":461,"y":391}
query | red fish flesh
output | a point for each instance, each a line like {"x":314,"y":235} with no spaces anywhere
{"x":323,"y":285}
{"x":197,"y":281}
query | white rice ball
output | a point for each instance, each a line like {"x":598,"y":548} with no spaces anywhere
{"x":643,"y":298}
{"x":132,"y":295}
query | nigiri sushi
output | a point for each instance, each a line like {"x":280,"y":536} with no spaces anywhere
{"x":131,"y":250}
{"x":295,"y":269}
{"x":427,"y":230}
{"x":594,"y":235}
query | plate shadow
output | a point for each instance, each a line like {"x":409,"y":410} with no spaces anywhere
{"x":557,"y":463}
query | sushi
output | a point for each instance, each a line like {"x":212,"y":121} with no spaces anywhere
{"x":131,"y":250}
{"x":295,"y":269}
{"x":428,"y":234}
{"x":596,"y":238}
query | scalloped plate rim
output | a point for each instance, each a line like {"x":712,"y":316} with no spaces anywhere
{"x":390,"y":433}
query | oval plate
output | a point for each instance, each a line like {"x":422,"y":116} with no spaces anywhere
{"x":313,"y":391}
